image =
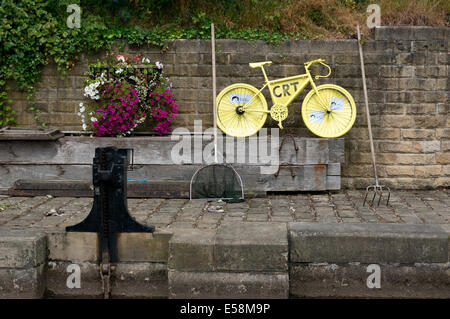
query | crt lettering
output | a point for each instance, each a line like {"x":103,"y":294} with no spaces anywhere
{"x":283,"y":90}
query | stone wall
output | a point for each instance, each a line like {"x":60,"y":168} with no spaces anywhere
{"x":407,"y":77}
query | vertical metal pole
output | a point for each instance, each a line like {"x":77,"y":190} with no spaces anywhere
{"x":369,"y":125}
{"x":213,"y":58}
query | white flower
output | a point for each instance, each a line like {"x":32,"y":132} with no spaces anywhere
{"x":145,"y":60}
{"x":119,"y":71}
{"x":81,"y":103}
{"x":82,"y":109}
{"x":84,"y":127}
{"x":93,"y":119}
{"x":79,"y":114}
{"x":102,"y":78}
{"x":121,"y":58}
{"x":91,"y":91}
{"x":159,"y":65}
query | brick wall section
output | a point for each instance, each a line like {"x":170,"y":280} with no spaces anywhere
{"x":407,"y":77}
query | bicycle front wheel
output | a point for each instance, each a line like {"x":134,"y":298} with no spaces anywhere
{"x":241,"y":111}
{"x":334,"y":122}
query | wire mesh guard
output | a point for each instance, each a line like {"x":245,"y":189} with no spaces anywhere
{"x":217,"y":181}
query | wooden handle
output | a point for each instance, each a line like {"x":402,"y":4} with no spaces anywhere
{"x":213,"y":58}
{"x":366,"y":100}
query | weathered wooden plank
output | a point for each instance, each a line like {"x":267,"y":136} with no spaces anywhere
{"x":308,"y":177}
{"x":163,"y":150}
{"x":336,"y":150}
{"x":333,"y":182}
{"x":10,"y":173}
{"x":26,"y":134}
{"x":334,"y":169}
{"x":84,"y":188}
{"x":73,"y":184}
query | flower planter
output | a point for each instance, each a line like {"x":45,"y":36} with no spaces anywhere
{"x":123,"y":93}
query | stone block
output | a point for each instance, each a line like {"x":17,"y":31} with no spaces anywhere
{"x":418,"y":133}
{"x":192,"y":250}
{"x":224,"y":285}
{"x":255,"y":246}
{"x":443,"y":158}
{"x":129,"y":280}
{"x":22,"y":283}
{"x":369,"y":243}
{"x":73,"y":246}
{"x":22,"y":250}
{"x":349,"y":280}
{"x":149,"y":247}
{"x":57,"y":277}
{"x":415,"y":159}
{"x":140,"y":280}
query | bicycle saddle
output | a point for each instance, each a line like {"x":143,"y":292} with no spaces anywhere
{"x":259,"y":64}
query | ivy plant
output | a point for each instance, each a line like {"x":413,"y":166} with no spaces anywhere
{"x":34,"y":33}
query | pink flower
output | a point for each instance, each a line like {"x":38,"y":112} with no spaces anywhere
{"x":124,"y":57}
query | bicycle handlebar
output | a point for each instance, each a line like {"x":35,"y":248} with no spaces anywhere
{"x":321,"y":61}
{"x":314,"y":61}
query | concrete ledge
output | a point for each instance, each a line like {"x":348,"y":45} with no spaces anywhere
{"x":57,"y":275}
{"x":150,"y":247}
{"x":367,"y":243}
{"x":255,"y":246}
{"x":22,"y":250}
{"x":215,"y":285}
{"x":324,"y":280}
{"x":130,"y":280}
{"x":25,"y":283}
{"x":74,"y":246}
{"x":140,"y":280}
{"x":192,"y":250}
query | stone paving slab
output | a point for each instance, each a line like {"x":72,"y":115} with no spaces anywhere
{"x":368,"y":243}
{"x":405,"y":207}
{"x":329,"y":280}
{"x":215,"y":285}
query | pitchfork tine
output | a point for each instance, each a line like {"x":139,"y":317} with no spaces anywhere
{"x":374,"y":196}
{"x":381,"y":195}
{"x":389,"y":195}
{"x":365,"y":197}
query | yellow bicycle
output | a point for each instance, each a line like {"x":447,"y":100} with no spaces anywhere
{"x":328,"y":110}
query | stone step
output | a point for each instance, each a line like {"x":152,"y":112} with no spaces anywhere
{"x":329,"y":260}
{"x":238,"y":260}
{"x":22,"y":264}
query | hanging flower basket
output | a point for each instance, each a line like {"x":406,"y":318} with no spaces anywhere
{"x":125,"y":92}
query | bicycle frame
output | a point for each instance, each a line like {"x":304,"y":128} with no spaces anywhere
{"x":280,"y":89}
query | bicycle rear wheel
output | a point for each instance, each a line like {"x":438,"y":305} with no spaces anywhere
{"x":238,"y":122}
{"x":335,"y":122}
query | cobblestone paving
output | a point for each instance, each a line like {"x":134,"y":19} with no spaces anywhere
{"x":410,"y":207}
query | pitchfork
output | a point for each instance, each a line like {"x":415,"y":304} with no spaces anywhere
{"x":377,"y":188}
